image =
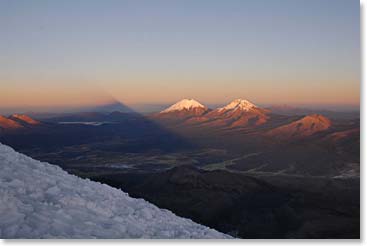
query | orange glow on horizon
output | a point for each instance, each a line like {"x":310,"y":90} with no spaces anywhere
{"x":168,"y":91}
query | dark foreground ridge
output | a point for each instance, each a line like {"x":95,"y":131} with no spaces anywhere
{"x":249,"y":207}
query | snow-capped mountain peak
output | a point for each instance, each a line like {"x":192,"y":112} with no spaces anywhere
{"x":184,"y":104}
{"x":241,"y":104}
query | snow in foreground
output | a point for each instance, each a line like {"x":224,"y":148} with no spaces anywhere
{"x":39,"y":200}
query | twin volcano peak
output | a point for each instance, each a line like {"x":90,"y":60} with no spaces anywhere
{"x":184,"y":104}
{"x":240,"y":104}
{"x":191,"y":104}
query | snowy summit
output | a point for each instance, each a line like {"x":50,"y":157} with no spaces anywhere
{"x":39,"y":200}
{"x":185,"y":104}
{"x":241,"y":104}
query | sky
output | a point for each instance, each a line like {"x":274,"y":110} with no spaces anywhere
{"x":73,"y":52}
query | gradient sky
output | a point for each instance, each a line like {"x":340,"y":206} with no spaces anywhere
{"x":74,"y":52}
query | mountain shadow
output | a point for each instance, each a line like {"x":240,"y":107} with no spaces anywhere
{"x":117,"y":131}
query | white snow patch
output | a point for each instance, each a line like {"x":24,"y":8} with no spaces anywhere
{"x":184,"y":104}
{"x":238,"y":104}
{"x":40,"y":200}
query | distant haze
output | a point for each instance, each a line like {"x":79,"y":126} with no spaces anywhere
{"x":63,"y":55}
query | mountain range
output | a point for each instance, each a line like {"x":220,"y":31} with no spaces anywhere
{"x":239,"y":115}
{"x":243,"y":114}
